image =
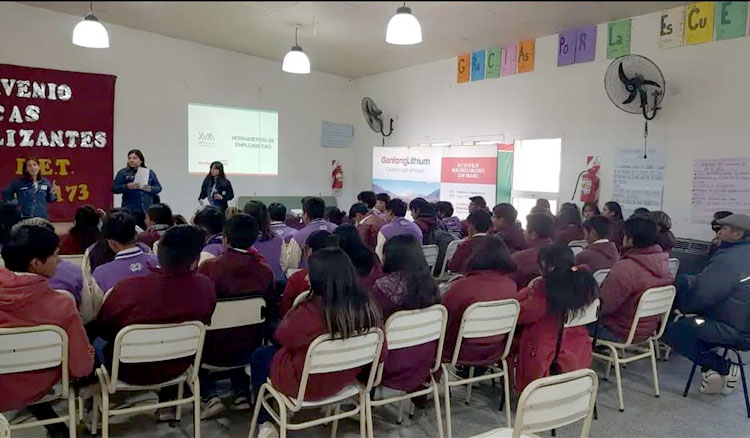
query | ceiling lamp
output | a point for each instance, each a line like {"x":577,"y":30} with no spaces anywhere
{"x":296,"y":61}
{"x":90,"y":32}
{"x":404,"y":28}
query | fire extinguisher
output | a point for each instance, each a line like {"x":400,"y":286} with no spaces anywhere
{"x":337,"y":177}
{"x":590,"y":185}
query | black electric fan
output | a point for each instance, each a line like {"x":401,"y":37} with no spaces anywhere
{"x":374,"y":117}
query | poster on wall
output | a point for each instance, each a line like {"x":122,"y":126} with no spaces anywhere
{"x":638,"y":182}
{"x":468,"y":171}
{"x":720,"y":184}
{"x":64,"y":120}
{"x":407,"y":172}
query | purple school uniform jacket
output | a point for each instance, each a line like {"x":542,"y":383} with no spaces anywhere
{"x":298,"y":242}
{"x":270,"y":249}
{"x":213,"y":248}
{"x":396,"y":227}
{"x":285,"y":231}
{"x":128,"y":263}
{"x":68,"y":276}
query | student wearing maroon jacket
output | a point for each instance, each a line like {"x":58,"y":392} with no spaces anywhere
{"x":158,"y":220}
{"x":568,"y":224}
{"x":613,"y":212}
{"x":368,"y":223}
{"x":601,"y":253}
{"x":480,"y":223}
{"x":539,"y":230}
{"x":504,"y":223}
{"x":336,"y":305}
{"x":363,"y":258}
{"x":239,"y":272}
{"x":475,"y":203}
{"x":488,"y":279}
{"x":173,"y":293}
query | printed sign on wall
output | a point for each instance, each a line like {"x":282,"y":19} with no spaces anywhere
{"x":508,"y":65}
{"x":699,"y":23}
{"x":585,"y":50}
{"x":672,"y":28}
{"x":463,"y":68}
{"x":731,"y":19}
{"x":477,"y":65}
{"x":526,"y":56}
{"x":493,"y":63}
{"x":618,"y":39}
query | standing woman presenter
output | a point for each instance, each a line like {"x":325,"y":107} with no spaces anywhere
{"x":32,"y":191}
{"x":136,"y":197}
{"x":216,"y":188}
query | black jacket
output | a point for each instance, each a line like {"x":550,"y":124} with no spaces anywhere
{"x":223,"y":188}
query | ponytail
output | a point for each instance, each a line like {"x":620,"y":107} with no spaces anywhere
{"x":569,"y":289}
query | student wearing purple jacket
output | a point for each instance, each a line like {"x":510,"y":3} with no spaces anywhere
{"x":211,"y":221}
{"x":395,"y":211}
{"x":277,"y":212}
{"x":269,"y":244}
{"x":313,"y":210}
{"x":445,"y":213}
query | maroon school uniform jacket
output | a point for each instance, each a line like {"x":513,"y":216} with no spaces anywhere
{"x":617,"y":230}
{"x":404,"y":369}
{"x":666,"y":240}
{"x":156,"y":298}
{"x":463,"y":252}
{"x":527,"y":266}
{"x":567,"y":234}
{"x":297,"y":283}
{"x":638,"y":269}
{"x":598,"y":256}
{"x":368,"y":229}
{"x":512,"y":236}
{"x":296,"y":332}
{"x":538,"y":339}
{"x":475,"y":287}
{"x":236,"y":274}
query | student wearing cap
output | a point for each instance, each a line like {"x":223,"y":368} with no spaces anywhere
{"x":716,"y":305}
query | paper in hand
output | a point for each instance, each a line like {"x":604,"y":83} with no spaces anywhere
{"x":141,"y":176}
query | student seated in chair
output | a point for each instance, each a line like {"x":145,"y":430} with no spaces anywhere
{"x":563,"y":292}
{"x":239,"y":272}
{"x":211,"y":220}
{"x":643,"y":265}
{"x":313,"y":215}
{"x":173,"y":293}
{"x":277,"y":212}
{"x":480,"y":223}
{"x":158,"y":220}
{"x":363,"y":258}
{"x":396,"y":225}
{"x":268,"y":244}
{"x":452,"y":223}
{"x":568,"y":224}
{"x":539,"y":230}
{"x":368,"y":223}
{"x":716,"y":304}
{"x":600,"y":253}
{"x":505,"y":224}
{"x":27,"y":300}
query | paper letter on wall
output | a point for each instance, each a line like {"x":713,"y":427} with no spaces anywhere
{"x":566,"y":51}
{"x":526,"y":56}
{"x":477,"y":65}
{"x":508,"y":65}
{"x":730,"y":19}
{"x":672,"y":28}
{"x":699,"y":23}
{"x":493,"y":63}
{"x":618,"y":39}
{"x":464,"y":67}
{"x":585,"y":44}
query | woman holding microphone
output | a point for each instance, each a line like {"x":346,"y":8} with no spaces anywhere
{"x":136,"y":197}
{"x":216,"y":189}
{"x":32,"y":191}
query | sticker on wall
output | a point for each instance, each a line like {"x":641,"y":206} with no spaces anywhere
{"x":463,"y":68}
{"x":526,"y":56}
{"x":731,"y":20}
{"x":508,"y":64}
{"x":493,"y":63}
{"x":618,"y":39}
{"x":477,"y":65}
{"x":699,"y":23}
{"x":566,"y":54}
{"x":672,"y":28}
{"x":585,"y":50}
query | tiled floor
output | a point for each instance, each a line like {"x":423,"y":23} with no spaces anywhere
{"x":645,"y":416}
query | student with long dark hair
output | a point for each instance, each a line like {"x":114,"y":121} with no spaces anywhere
{"x":364,"y":259}
{"x":540,"y":228}
{"x":211,"y":221}
{"x":158,"y":220}
{"x":216,"y":188}
{"x":563,"y":292}
{"x":268,"y":244}
{"x":9,"y":216}
{"x":84,"y":233}
{"x":32,"y":191}
{"x":337,"y":305}
{"x":590,"y":209}
{"x":568,"y":224}
{"x":613,"y":212}
{"x":600,"y":253}
{"x":135,"y":197}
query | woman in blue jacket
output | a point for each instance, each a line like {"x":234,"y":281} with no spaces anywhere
{"x":32,"y":192}
{"x":135,"y":197}
{"x":216,"y":187}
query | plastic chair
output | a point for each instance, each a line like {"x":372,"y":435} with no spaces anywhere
{"x":582,"y":243}
{"x":302,"y":296}
{"x":233,"y":313}
{"x":431,"y":253}
{"x":147,"y":343}
{"x":74,"y":258}
{"x":28,"y":349}
{"x":674,"y":266}
{"x":739,"y":363}
{"x":656,"y":301}
{"x":552,"y":402}
{"x":576,"y":250}
{"x":483,"y":319}
{"x":4,"y":427}
{"x":590,"y":315}
{"x":411,"y":328}
{"x":601,"y":275}
{"x":450,"y":251}
{"x":326,"y":355}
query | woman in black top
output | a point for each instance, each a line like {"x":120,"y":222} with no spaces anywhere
{"x":216,"y":187}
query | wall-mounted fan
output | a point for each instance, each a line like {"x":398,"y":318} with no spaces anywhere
{"x":635,"y":85}
{"x":374,"y":117}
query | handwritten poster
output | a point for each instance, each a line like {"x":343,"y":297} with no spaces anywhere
{"x":493,"y":63}
{"x":720,"y":184}
{"x":618,"y":39}
{"x":336,"y":135}
{"x":585,"y":44}
{"x":672,"y":28}
{"x":508,"y":65}
{"x":699,"y":23}
{"x":526,"y":56}
{"x":462,"y":70}
{"x":730,"y":20}
{"x":638,"y":182}
{"x":566,"y":54}
{"x":477,"y":65}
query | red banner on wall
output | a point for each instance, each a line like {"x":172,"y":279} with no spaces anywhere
{"x":469,"y":170}
{"x":65,"y":120}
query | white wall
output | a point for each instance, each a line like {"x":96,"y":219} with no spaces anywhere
{"x":704,"y":116}
{"x":156,"y":78}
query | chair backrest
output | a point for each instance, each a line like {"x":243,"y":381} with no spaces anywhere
{"x":238,"y":313}
{"x":24,"y":349}
{"x":576,"y":250}
{"x":409,"y":328}
{"x":591,"y":314}
{"x":4,"y":427}
{"x":327,"y":355}
{"x":450,"y":251}
{"x":431,"y":255}
{"x":556,"y":401}
{"x":600,"y":275}
{"x":485,"y":319}
{"x":145,"y":343}
{"x":300,"y":298}
{"x":674,"y":266}
{"x":581,"y":243}
{"x":655,"y":301}
{"x":75,"y":258}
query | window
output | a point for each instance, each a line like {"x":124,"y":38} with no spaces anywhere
{"x":536,"y":174}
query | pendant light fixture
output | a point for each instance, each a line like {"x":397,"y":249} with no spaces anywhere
{"x":90,"y":32}
{"x":296,"y":61}
{"x":404,"y":28}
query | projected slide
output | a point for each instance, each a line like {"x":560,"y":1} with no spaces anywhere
{"x":244,"y":140}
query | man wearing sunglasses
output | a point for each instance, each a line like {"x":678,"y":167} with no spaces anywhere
{"x":715,"y":242}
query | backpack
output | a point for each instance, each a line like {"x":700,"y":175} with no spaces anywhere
{"x":441,"y":237}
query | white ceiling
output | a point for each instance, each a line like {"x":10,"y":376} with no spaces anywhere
{"x":348,"y":38}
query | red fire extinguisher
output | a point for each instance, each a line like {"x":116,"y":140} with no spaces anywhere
{"x":337,"y":177}
{"x":590,"y":181}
